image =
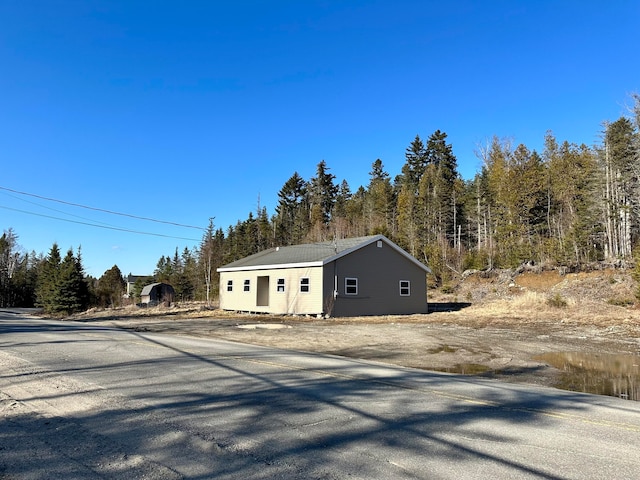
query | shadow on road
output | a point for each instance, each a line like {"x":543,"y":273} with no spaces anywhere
{"x":263,"y":413}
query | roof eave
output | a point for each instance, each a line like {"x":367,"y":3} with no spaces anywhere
{"x":271,"y":266}
{"x":409,"y":257}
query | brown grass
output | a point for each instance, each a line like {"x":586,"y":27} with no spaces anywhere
{"x":601,"y":299}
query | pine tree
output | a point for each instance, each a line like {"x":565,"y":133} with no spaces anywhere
{"x":164,"y":269}
{"x":61,"y":287}
{"x":322,"y":196}
{"x":443,"y":163}
{"x":111,"y":288}
{"x":73,"y":291}
{"x":415,"y":164}
{"x":411,"y":218}
{"x":574,"y":220}
{"x":379,"y":200}
{"x":621,"y":188}
{"x":292,"y":211}
{"x":48,"y":280}
{"x":354,"y":214}
{"x":189,"y":279}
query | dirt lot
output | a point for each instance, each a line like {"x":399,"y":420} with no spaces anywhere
{"x":494,"y":325}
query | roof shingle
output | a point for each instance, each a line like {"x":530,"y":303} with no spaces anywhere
{"x":311,"y":254}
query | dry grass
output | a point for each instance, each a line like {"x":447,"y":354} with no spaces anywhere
{"x":601,"y":299}
{"x":539,"y":282}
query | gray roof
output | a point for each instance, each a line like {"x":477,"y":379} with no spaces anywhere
{"x":307,"y":255}
{"x":146,"y":290}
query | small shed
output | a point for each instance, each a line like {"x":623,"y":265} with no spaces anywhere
{"x":157,"y":293}
{"x":348,"y":277}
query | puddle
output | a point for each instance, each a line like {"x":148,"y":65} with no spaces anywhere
{"x":442,"y":348}
{"x":602,"y":374}
{"x":463,"y":368}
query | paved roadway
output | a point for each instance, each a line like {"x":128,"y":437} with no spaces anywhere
{"x":82,"y":401}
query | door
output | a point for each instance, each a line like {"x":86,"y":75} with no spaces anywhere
{"x":262,"y":292}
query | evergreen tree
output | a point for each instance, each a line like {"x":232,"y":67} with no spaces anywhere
{"x":408,"y":235}
{"x":190,"y":279}
{"x":164,"y":270}
{"x":379,"y":200}
{"x":322,"y":195}
{"x":138,"y":286}
{"x":415,"y":164}
{"x":264,"y":230}
{"x":444,"y":193}
{"x":619,"y":163}
{"x":73,"y":291}
{"x":292,"y":211}
{"x":411,"y":219}
{"x":575,"y":220}
{"x":343,"y":195}
{"x":341,"y":223}
{"x":111,"y":288}
{"x":48,"y":280}
{"x":61,"y":286}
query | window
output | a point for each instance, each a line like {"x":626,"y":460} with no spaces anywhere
{"x":351,"y":286}
{"x":280,"y":285}
{"x":304,"y":284}
{"x":405,"y":288}
{"x":229,"y":285}
{"x":247,"y":285}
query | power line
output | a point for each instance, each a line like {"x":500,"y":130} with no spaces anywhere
{"x":98,"y":226}
{"x":54,"y":209}
{"x":100,"y":210}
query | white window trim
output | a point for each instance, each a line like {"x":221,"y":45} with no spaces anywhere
{"x":307,"y":284}
{"x":247,"y":285}
{"x":280,"y":285}
{"x":347,"y":286}
{"x":408,"y":287}
{"x":229,"y":285}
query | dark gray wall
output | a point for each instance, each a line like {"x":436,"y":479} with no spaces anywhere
{"x":379,"y":271}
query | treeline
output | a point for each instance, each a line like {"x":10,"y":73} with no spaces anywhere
{"x":568,"y":205}
{"x":57,"y":284}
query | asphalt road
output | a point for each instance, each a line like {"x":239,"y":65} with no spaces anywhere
{"x":81,"y":401}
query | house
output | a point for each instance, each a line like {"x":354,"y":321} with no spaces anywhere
{"x":156,"y":293}
{"x":131,"y":282}
{"x":350,"y":277}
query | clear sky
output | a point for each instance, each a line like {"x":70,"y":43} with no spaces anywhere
{"x":182,"y":111}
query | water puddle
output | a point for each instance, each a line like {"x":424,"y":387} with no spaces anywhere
{"x":463,"y":369}
{"x":602,"y":374}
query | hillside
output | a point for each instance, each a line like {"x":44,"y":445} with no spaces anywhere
{"x":599,"y":297}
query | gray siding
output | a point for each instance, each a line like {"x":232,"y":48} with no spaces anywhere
{"x":378,"y":272}
{"x":264,"y":296}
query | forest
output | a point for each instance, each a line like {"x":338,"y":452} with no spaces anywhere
{"x":567,"y":206}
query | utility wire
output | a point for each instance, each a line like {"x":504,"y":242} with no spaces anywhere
{"x":100,"y":210}
{"x":56,"y":210}
{"x":100,"y":226}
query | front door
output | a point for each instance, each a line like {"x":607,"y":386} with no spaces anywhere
{"x":262,"y":292}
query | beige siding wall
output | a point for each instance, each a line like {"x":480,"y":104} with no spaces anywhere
{"x":378,"y":272}
{"x":291,"y":301}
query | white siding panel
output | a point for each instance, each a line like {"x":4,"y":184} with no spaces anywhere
{"x":291,"y":301}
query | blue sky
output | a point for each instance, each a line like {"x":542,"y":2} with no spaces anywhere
{"x":182,"y":111}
